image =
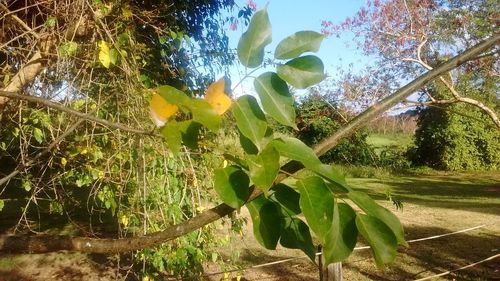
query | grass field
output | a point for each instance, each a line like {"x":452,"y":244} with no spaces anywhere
{"x":432,"y":204}
{"x":380,"y":141}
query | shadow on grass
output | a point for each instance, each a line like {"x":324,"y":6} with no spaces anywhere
{"x":432,"y":257}
{"x":454,"y":192}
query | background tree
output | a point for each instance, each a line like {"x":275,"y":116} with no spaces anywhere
{"x":318,"y":117}
{"x":408,"y":37}
{"x":454,"y":137}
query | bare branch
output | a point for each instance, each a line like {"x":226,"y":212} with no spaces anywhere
{"x":458,"y":98}
{"x":16,"y":18}
{"x":409,"y":16}
{"x":77,"y":113}
{"x":49,"y":148}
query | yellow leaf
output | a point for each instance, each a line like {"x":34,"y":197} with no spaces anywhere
{"x":226,"y":276}
{"x":161,"y":110}
{"x":126,"y":12}
{"x":83,"y":150}
{"x":238,"y":276}
{"x":216,"y":98}
{"x":104,"y":56}
{"x":124,"y":220}
{"x":63,"y":162}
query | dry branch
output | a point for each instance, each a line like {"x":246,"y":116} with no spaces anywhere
{"x":49,"y":243}
{"x":25,"y":75}
{"x":457,"y":97}
{"x":76,"y":113}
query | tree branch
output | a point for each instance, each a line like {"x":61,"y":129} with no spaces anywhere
{"x":79,"y":114}
{"x":25,"y":75}
{"x":47,"y":243}
{"x":16,"y":18}
{"x":14,"y":173}
{"x":458,"y":98}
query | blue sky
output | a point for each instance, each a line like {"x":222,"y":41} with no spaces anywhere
{"x":288,"y":17}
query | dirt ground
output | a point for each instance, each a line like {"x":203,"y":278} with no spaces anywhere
{"x":434,"y":206}
{"x":426,"y":212}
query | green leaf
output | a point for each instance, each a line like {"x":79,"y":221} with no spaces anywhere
{"x":331,"y":174}
{"x":380,"y":237}
{"x":255,"y":39}
{"x":317,"y":203}
{"x":276,"y":98}
{"x":26,"y":184}
{"x":298,"y":43}
{"x":204,"y":114}
{"x":295,"y":235}
{"x":172,"y":135}
{"x":173,"y":96}
{"x":266,"y":221}
{"x":2,"y":204}
{"x":189,"y":133}
{"x":238,"y":161}
{"x":264,"y":167}
{"x":114,"y":56}
{"x":50,"y":22}
{"x":288,"y":199}
{"x":67,"y":49}
{"x":250,"y":119}
{"x":295,"y":149}
{"x":370,"y":207}
{"x":176,"y":133}
{"x":247,"y":145}
{"x":232,"y":186}
{"x":302,"y":72}
{"x":342,"y":237}
{"x":38,"y":135}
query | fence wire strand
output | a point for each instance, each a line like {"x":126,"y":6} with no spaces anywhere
{"x":457,"y":269}
{"x":368,"y":247}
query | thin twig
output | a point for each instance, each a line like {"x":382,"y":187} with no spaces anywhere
{"x":41,"y":153}
{"x":76,"y":113}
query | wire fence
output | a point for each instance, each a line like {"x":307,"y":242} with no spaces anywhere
{"x":273,"y":263}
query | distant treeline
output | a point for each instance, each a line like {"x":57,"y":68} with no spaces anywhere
{"x":403,"y":123}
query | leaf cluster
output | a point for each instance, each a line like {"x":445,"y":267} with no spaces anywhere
{"x":321,"y":198}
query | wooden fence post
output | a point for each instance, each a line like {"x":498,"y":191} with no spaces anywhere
{"x":332,"y":272}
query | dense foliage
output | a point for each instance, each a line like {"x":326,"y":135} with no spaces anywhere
{"x":456,"y":137}
{"x":318,"y":117}
{"x":100,"y":58}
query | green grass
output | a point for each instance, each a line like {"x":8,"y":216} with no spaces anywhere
{"x":437,"y":203}
{"x":478,"y":191}
{"x":380,"y":141}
